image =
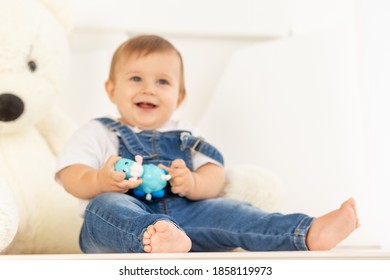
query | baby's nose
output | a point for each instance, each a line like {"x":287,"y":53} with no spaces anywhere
{"x":149,"y":89}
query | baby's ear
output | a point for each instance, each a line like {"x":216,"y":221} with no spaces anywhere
{"x":181,"y":98}
{"x":110,"y":89}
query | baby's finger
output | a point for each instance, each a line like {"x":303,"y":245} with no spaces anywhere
{"x":166,"y":168}
{"x":178,"y":191}
{"x":123,"y":186}
{"x":132,"y":184}
{"x":112,"y":160}
{"x":122,"y":190}
{"x":177,"y":181}
{"x":178,"y":163}
{"x":118,"y":176}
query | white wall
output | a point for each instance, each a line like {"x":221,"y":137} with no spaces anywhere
{"x":209,"y":36}
{"x":205,"y":59}
{"x":374,"y":46}
{"x":205,"y":35}
{"x":293,"y":106}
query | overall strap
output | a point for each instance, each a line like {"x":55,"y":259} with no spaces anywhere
{"x":188,"y":141}
{"x":128,"y":136}
{"x":198,"y":144}
{"x":109,"y":123}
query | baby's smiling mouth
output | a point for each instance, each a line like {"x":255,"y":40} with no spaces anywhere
{"x":146,"y":105}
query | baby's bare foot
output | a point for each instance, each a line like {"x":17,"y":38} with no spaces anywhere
{"x":165,"y":237}
{"x":330,"y":229}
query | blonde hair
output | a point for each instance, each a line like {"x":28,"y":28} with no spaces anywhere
{"x":141,"y":46}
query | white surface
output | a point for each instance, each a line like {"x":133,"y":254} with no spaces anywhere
{"x":351,"y":254}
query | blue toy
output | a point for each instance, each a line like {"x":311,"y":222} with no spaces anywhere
{"x":154,"y":178}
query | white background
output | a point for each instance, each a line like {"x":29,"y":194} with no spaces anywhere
{"x":210,"y":33}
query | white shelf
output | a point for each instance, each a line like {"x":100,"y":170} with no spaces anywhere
{"x":229,"y":18}
{"x":351,"y":254}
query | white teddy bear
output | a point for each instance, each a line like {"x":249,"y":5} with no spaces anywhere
{"x":36,"y":215}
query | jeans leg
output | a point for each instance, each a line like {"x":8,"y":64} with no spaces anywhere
{"x":221,"y":224}
{"x":115,"y":223}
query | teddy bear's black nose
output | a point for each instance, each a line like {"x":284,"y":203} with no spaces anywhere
{"x":11,"y":107}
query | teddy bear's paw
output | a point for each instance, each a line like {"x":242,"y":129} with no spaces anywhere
{"x":9,"y":219}
{"x":255,"y":185}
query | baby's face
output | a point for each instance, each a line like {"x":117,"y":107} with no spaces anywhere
{"x":146,"y":90}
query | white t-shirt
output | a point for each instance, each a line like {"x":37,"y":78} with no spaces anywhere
{"x":93,"y":143}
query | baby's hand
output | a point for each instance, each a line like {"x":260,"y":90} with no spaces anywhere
{"x":110,"y":180}
{"x":182,"y":179}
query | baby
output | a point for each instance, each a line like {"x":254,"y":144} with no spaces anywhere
{"x":146,"y":83}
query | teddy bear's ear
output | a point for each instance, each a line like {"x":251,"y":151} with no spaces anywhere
{"x":62,"y":10}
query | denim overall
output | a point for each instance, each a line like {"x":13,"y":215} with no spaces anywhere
{"x":115,"y":222}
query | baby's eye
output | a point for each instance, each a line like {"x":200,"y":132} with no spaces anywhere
{"x":135,"y":79}
{"x":163,"y":82}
